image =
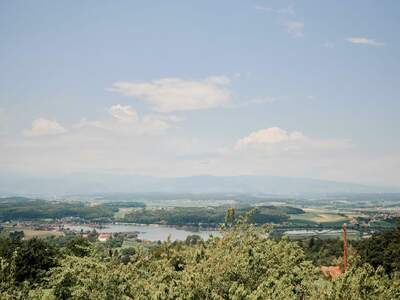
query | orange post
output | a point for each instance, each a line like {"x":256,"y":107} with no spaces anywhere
{"x":345,"y":247}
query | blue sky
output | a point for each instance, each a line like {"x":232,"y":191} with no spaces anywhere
{"x":176,"y":88}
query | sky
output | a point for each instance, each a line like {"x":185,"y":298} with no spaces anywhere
{"x":180,"y":88}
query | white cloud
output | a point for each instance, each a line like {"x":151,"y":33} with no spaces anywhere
{"x":176,"y":94}
{"x":123,"y":113}
{"x":125,"y":120}
{"x":282,"y":11}
{"x":295,"y":28}
{"x":365,"y":41}
{"x":270,"y":135}
{"x":276,"y":140}
{"x":140,"y":146}
{"x":255,"y":101}
{"x":124,"y":140}
{"x":219,"y":80}
{"x":123,"y":147}
{"x":262,"y":100}
{"x":42,"y":127}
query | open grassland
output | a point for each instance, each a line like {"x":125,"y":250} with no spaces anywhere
{"x":31,"y":233}
{"x":122,"y":211}
{"x":187,"y":203}
{"x":317,"y":217}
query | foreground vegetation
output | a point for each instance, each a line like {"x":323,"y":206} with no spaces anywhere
{"x":242,"y":264}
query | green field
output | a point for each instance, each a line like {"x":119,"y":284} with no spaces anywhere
{"x":31,"y":233}
{"x":319,"y":217}
{"x":122,"y":211}
{"x":187,"y":203}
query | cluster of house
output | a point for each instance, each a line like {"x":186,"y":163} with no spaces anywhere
{"x":104,"y":237}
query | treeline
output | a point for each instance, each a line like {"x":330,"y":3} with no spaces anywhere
{"x":115,"y":205}
{"x":18,"y":208}
{"x":242,"y":264}
{"x":209,"y":216}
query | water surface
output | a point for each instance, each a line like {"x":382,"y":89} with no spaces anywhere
{"x":150,"y":232}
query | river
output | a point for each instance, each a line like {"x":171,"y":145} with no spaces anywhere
{"x":149,"y":232}
{"x":327,"y":233}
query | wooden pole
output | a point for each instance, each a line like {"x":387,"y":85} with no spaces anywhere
{"x":345,"y":247}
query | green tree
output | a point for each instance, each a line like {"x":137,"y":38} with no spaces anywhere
{"x":78,"y":246}
{"x":230,"y":216}
{"x":382,"y":249}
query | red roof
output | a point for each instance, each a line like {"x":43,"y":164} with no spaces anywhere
{"x":331,"y":271}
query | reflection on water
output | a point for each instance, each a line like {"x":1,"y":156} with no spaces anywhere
{"x":328,"y":233}
{"x":149,"y":232}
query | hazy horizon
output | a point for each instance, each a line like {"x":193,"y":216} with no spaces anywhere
{"x":177,"y":89}
{"x":90,"y":184}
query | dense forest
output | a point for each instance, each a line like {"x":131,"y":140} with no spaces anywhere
{"x":20,"y":208}
{"x":242,"y":264}
{"x":210,"y":216}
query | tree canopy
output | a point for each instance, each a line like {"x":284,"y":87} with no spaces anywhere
{"x":244,"y":263}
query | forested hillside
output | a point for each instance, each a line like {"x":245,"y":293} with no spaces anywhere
{"x":211,"y":216}
{"x":20,"y":208}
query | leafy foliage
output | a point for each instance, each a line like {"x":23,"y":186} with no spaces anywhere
{"x":322,"y":252}
{"x":241,"y":264}
{"x":382,"y":249}
{"x":27,"y":260}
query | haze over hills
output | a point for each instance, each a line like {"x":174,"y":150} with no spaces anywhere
{"x":107,"y":183}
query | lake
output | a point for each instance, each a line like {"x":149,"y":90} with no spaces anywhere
{"x":149,"y":232}
{"x":327,"y":234}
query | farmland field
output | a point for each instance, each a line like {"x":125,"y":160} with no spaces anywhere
{"x":319,"y":217}
{"x":122,"y":211}
{"x":31,"y":233}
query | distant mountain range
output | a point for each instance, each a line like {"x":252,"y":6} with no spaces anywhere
{"x":106,"y":183}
